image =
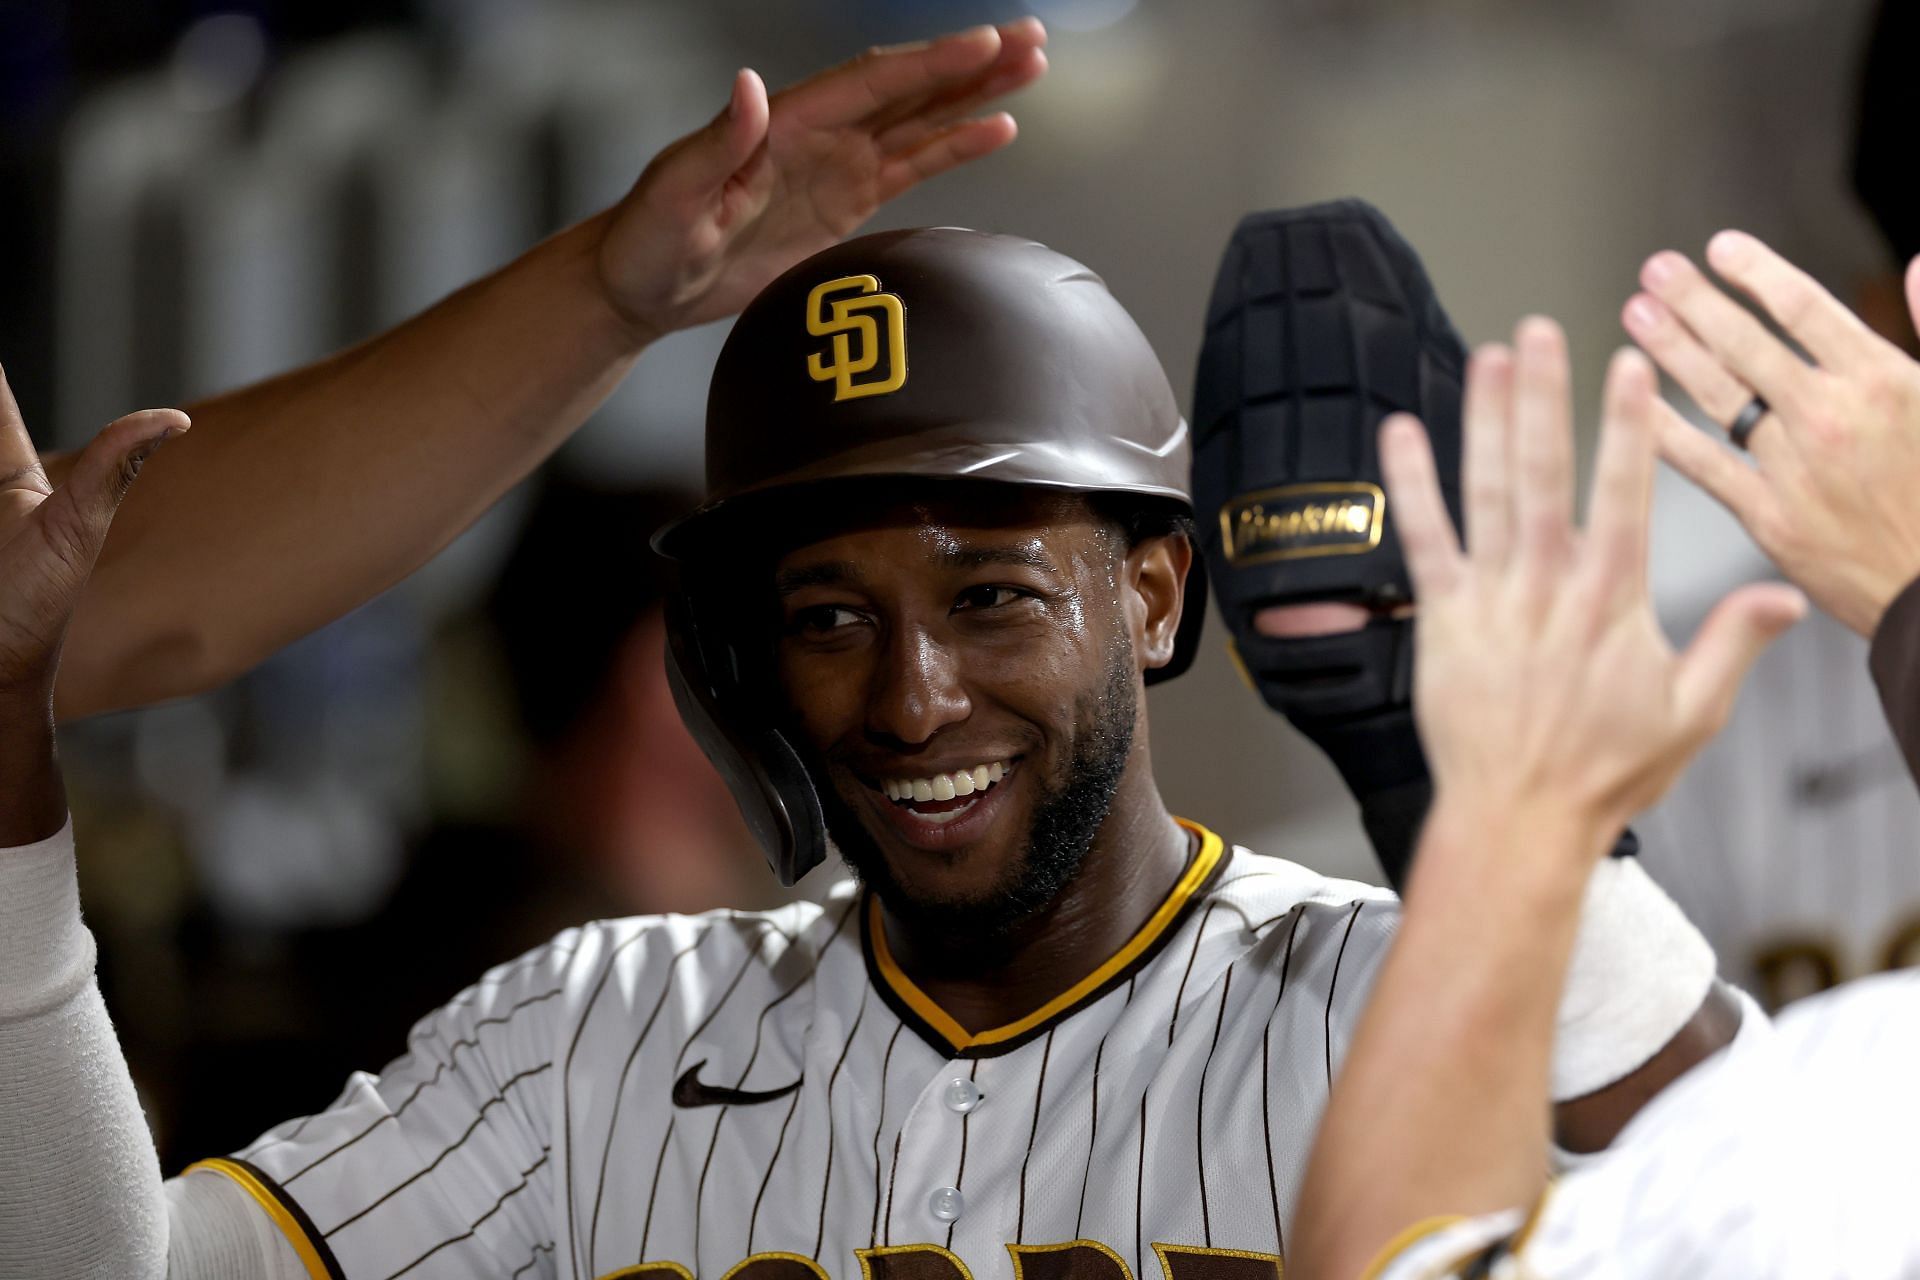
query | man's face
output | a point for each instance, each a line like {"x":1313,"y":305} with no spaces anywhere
{"x":965,"y":681}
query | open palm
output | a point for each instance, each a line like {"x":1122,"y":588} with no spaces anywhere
{"x":721,"y":212}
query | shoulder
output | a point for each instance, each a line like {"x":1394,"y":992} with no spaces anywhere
{"x":1312,"y":930}
{"x":616,"y":959}
{"x":1266,"y":890}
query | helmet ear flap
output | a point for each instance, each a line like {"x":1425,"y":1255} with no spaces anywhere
{"x":756,"y":759}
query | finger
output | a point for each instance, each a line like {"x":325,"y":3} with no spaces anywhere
{"x":1814,"y":318}
{"x":75,"y":519}
{"x":1711,"y":465}
{"x":1017,"y":67}
{"x":1738,"y":341}
{"x":953,"y":146}
{"x":1616,"y":544}
{"x":1700,"y":374}
{"x":744,"y":122}
{"x":19,"y":461}
{"x":1419,"y":512}
{"x":1487,"y":420}
{"x":1320,"y":618}
{"x":1542,"y":457}
{"x":1730,"y":640}
{"x":882,"y":79}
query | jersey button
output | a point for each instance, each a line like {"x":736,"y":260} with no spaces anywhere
{"x":945,"y":1203}
{"x":962,"y":1096}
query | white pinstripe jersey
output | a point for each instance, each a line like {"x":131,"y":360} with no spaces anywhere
{"x":1790,"y":840}
{"x":674,"y":1096}
{"x":1792,"y":1160}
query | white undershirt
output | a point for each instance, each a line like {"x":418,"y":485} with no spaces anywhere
{"x":80,"y":1189}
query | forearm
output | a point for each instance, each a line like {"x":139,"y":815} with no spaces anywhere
{"x":293,"y":501}
{"x":80,"y":1189}
{"x":1441,"y":1106}
{"x":79,"y":1184}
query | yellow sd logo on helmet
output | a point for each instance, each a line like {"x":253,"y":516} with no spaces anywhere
{"x":860,"y":326}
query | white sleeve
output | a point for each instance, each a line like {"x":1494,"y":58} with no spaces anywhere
{"x":217,"y":1231}
{"x":1638,"y":972}
{"x":80,"y":1189}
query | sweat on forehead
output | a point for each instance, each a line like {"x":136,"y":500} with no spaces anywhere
{"x":960,"y":522}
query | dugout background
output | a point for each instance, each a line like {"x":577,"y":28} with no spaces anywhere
{"x":200,"y":194}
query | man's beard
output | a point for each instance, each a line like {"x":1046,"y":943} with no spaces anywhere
{"x":1066,"y":819}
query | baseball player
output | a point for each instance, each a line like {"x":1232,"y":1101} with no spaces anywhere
{"x":1049,"y":1029}
{"x":1791,"y":1160}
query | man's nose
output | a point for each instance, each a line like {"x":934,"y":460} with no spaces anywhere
{"x":917,"y":690}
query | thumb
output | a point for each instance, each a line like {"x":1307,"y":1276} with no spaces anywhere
{"x":717,"y":152}
{"x":1913,"y":291}
{"x":1740,"y":627}
{"x":75,"y":519}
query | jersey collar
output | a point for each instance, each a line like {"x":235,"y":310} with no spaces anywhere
{"x":938,"y":1028}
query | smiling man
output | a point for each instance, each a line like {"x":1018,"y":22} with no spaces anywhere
{"x":1051,"y":1031}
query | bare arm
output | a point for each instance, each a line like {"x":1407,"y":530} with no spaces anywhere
{"x":296,"y":499}
{"x":1552,"y":710}
{"x":299,"y":498}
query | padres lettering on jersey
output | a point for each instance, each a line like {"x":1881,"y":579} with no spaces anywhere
{"x":768,"y":1097}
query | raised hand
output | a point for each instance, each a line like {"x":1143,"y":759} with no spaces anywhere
{"x":48,"y":541}
{"x":720,"y":213}
{"x":1545,"y":691}
{"x":1836,"y":442}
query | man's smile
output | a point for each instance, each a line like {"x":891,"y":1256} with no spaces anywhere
{"x":942,"y":810}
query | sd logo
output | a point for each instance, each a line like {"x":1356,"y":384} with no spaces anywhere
{"x":870,"y":316}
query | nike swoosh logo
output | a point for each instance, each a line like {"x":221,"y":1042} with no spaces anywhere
{"x":688,"y":1091}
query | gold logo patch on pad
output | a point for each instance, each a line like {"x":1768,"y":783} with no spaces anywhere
{"x":864,"y":327}
{"x":1299,"y":520}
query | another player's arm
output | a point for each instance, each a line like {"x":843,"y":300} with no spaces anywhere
{"x":1552,"y":710}
{"x":301,"y":497}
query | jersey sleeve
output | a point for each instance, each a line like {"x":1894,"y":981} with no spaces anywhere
{"x":1480,"y":1248}
{"x":437,"y":1166}
{"x":1894,"y":660}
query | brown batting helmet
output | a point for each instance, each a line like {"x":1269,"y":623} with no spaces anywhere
{"x":933,"y":354}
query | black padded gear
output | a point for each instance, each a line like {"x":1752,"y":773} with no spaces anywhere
{"x":1323,"y":322}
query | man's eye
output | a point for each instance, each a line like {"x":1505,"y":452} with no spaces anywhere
{"x":985,"y":597}
{"x":823,"y":618}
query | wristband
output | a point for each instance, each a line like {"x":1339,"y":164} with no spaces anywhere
{"x":1638,"y":973}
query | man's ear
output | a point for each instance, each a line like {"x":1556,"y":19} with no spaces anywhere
{"x":1157,"y":572}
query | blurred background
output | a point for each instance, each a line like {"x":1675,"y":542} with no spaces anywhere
{"x":284,"y":873}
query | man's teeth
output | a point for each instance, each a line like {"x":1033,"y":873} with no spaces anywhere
{"x":945,"y":786}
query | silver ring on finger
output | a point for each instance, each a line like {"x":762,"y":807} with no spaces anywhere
{"x":1746,"y":420}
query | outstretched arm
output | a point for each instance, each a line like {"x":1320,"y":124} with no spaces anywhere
{"x":297,"y":499}
{"x":1552,"y":710}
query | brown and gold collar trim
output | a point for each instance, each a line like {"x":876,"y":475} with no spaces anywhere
{"x":939,"y":1029}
